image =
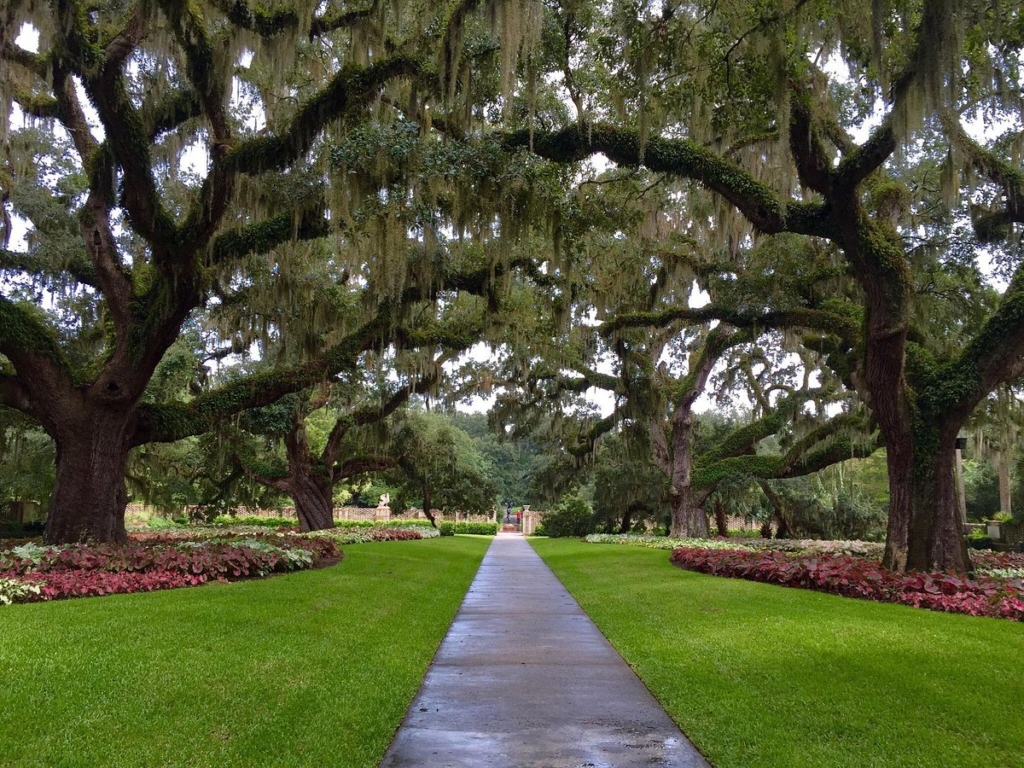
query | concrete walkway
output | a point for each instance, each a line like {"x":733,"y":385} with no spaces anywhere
{"x":524,"y":678}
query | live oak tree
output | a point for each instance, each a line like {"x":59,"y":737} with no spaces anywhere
{"x":355,"y":442}
{"x":734,"y":98}
{"x":132,"y":238}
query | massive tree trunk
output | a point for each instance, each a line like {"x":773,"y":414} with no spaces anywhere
{"x":89,"y":495}
{"x":689,"y":520}
{"x":936,"y":533}
{"x":310,"y":481}
{"x":900,"y":464}
{"x":313,"y":497}
{"x":627,"y":519}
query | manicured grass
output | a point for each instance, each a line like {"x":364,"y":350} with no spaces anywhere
{"x":760,"y":675}
{"x":309,"y":669}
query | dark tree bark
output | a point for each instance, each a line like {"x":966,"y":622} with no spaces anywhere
{"x":426,"y":506}
{"x":627,"y":520}
{"x":313,"y":503}
{"x":783,"y":525}
{"x":89,"y":496}
{"x":936,"y":532}
{"x":721,"y":519}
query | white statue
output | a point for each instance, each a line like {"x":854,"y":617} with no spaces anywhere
{"x":385,"y":500}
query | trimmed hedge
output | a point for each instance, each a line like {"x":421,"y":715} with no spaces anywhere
{"x":479,"y":529}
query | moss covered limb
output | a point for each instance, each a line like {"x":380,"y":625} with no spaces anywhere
{"x":71,"y":114}
{"x":35,"y":64}
{"x":361,"y":465}
{"x":990,"y":165}
{"x":125,"y":131}
{"x":323,"y":25}
{"x":264,"y":236}
{"x":811,"y":319}
{"x":743,"y":440}
{"x":174,"y":109}
{"x":477,"y":282}
{"x":30,"y":264}
{"x":709,"y":475}
{"x":586,"y":441}
{"x":992,"y":357}
{"x":828,"y":444}
{"x":813,"y":163}
{"x":926,"y":67}
{"x":258,"y":19}
{"x":190,"y":31}
{"x":170,"y":422}
{"x":719,"y":341}
{"x":123,"y":44}
{"x":352,"y":89}
{"x":377,"y":412}
{"x":33,"y":349}
{"x":13,"y":394}
{"x":38,"y":106}
{"x":271,"y":475}
{"x":682,"y":158}
{"x":820,"y":447}
{"x":208,"y":210}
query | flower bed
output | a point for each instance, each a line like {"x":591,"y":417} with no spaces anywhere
{"x":815,"y":546}
{"x":801,"y":546}
{"x":662,"y":542}
{"x":367,"y":535}
{"x":33,"y":572}
{"x":985,"y":595}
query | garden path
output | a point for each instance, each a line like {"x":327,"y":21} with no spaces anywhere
{"x":525,"y":678}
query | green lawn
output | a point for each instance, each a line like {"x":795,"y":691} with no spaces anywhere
{"x":759,"y":675}
{"x":311,"y":669}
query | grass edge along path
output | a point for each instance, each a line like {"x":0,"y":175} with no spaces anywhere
{"x":760,"y":675}
{"x":310,"y":668}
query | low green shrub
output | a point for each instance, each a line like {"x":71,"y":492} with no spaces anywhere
{"x":254,"y":520}
{"x":979,"y":539}
{"x":662,"y":542}
{"x":479,"y":529}
{"x":412,"y":522}
{"x":869,"y":549}
{"x":447,"y":529}
{"x":572,"y":516}
{"x":21,"y":530}
{"x":162,"y":524}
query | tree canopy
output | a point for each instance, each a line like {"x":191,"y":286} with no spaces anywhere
{"x":840,"y":180}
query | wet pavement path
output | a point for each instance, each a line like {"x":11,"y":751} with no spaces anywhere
{"x":525,"y":678}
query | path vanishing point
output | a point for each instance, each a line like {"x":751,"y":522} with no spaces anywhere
{"x":525,"y":678}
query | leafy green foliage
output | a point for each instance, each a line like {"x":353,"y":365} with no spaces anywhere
{"x":662,"y":542}
{"x":477,"y":529}
{"x":572,"y":516}
{"x":440,"y":463}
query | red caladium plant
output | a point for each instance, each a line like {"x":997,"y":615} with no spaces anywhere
{"x":865,"y":579}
